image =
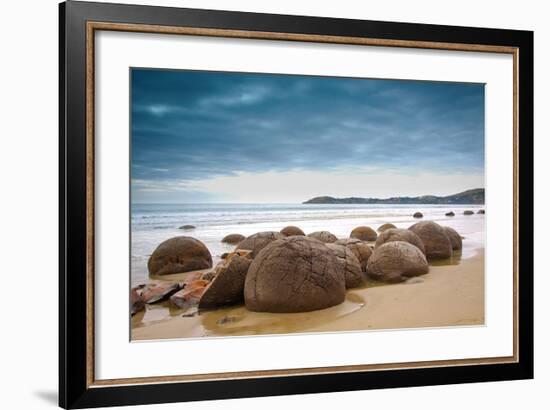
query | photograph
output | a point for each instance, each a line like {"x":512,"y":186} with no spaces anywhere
{"x":274,"y":203}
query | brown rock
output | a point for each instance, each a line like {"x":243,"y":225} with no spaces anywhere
{"x":364,"y":233}
{"x":136,"y":302}
{"x":179,"y":254}
{"x":227,"y":287}
{"x":361,"y":250}
{"x":294,"y":274}
{"x":258,"y":241}
{"x":396,"y":262}
{"x":292,"y":231}
{"x":468,"y":212}
{"x":187,"y":227}
{"x":418,"y":215}
{"x":157,"y":291}
{"x":450,"y":213}
{"x":436,"y":242}
{"x":455,"y":238}
{"x":190,"y":295}
{"x":385,"y":227}
{"x":323,"y":236}
{"x":233,"y":238}
{"x":481,"y":212}
{"x":405,"y":235}
{"x":349,"y":264}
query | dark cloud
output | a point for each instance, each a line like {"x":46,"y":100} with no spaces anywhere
{"x":193,"y":125}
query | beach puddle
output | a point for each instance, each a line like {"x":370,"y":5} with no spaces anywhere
{"x":240,"y":321}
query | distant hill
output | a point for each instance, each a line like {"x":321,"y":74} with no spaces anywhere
{"x":472,"y":196}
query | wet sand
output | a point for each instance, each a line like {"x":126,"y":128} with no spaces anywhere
{"x":451,"y":294}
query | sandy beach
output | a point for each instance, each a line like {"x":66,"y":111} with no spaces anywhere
{"x":451,"y":294}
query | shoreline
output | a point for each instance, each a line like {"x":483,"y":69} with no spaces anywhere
{"x":449,"y":294}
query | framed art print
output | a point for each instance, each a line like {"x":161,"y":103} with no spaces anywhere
{"x":258,"y":204}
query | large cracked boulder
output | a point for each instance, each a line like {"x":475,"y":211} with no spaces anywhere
{"x":292,"y":231}
{"x":294,"y":274}
{"x":362,"y":250}
{"x":258,"y":241}
{"x":396,"y":261}
{"x":323,"y":236}
{"x":435,"y":239}
{"x":227,"y":288}
{"x":454,"y":237}
{"x":233,"y":238}
{"x":349,"y":264}
{"x":405,"y":235}
{"x":385,"y":227}
{"x":364,"y":233}
{"x":179,"y":254}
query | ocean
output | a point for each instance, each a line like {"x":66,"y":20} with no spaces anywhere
{"x":152,"y":224}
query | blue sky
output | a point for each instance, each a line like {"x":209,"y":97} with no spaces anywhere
{"x":236,"y":137}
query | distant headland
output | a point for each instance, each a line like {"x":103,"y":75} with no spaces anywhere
{"x":471,"y":196}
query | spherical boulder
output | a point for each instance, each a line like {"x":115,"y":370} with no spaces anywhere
{"x":294,"y":274}
{"x":385,"y":227}
{"x":258,"y":241}
{"x":481,"y":212}
{"x":418,"y":215}
{"x":454,"y":237}
{"x":227,"y":287}
{"x":187,"y":227}
{"x":233,"y":238}
{"x":450,"y":213}
{"x":179,"y":254}
{"x":468,"y":212}
{"x":323,"y":236}
{"x":292,"y":231}
{"x":364,"y":233}
{"x":405,"y":235}
{"x":436,"y":242}
{"x":349,"y":264}
{"x":396,"y":262}
{"x":361,"y":250}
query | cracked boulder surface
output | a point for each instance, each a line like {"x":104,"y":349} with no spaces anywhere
{"x":405,"y":235}
{"x":349,"y":264}
{"x":179,"y":254}
{"x":454,"y":237}
{"x":364,"y":233}
{"x":292,"y":231}
{"x":436,"y":242}
{"x":323,"y":236}
{"x":396,"y":261}
{"x":362,"y":250}
{"x":294,"y":274}
{"x":228,"y":285}
{"x":258,"y":241}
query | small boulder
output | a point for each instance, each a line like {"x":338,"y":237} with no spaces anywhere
{"x":405,"y":235}
{"x":481,"y":212}
{"x":157,"y":291}
{"x":190,"y":295}
{"x":294,"y":274}
{"x":187,"y":227}
{"x":349,"y":264}
{"x":385,"y":227}
{"x":418,"y":215}
{"x":227,"y":286}
{"x":396,"y":262}
{"x":136,"y":302}
{"x":323,"y":236}
{"x":436,"y":242}
{"x":179,"y":254}
{"x":450,"y":213}
{"x":360,"y":249}
{"x":233,"y":238}
{"x":468,"y":212}
{"x":292,"y":231}
{"x":364,"y":233}
{"x":256,"y":242}
{"x":454,"y":237}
